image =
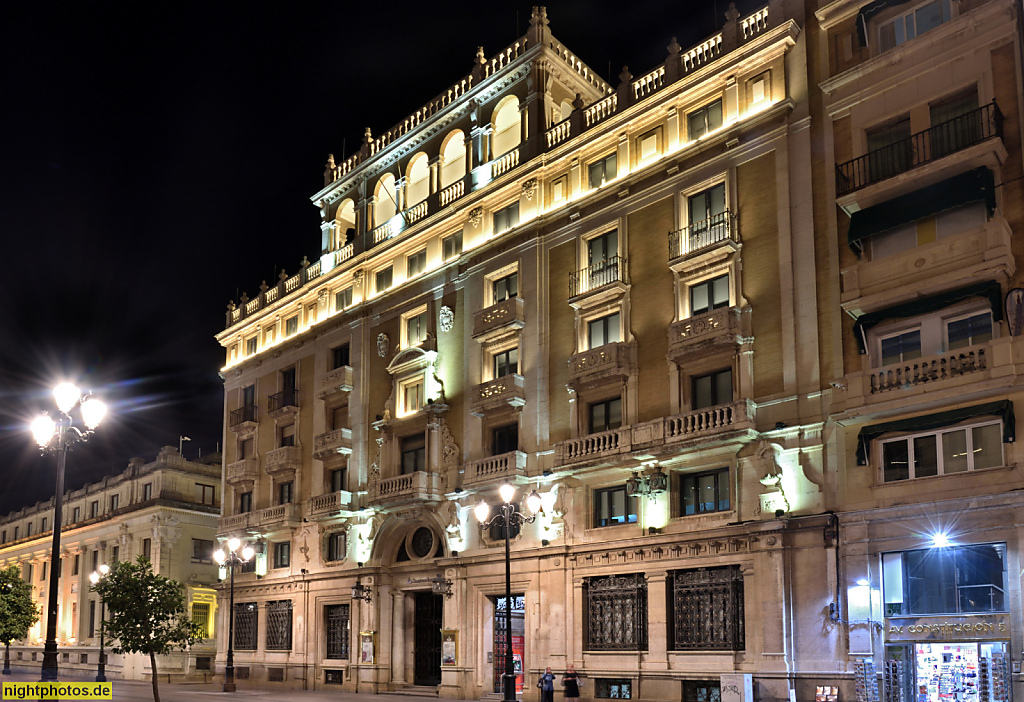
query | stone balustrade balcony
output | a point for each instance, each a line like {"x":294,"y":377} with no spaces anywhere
{"x":332,"y":443}
{"x":335,"y":382}
{"x":496,"y":469}
{"x":616,"y":360}
{"x":241,"y":471}
{"x":494,"y":395}
{"x":283,"y":460}
{"x":235,"y":522}
{"x":329,"y":504}
{"x":278,"y":515}
{"x":726,"y":326}
{"x":418,"y":486}
{"x":500,"y":319}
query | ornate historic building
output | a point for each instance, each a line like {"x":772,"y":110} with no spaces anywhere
{"x":166,"y":510}
{"x":738,"y":472}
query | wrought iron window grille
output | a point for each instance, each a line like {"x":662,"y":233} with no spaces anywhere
{"x":617,"y":613}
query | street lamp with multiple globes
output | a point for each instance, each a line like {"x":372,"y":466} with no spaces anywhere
{"x":57,"y":436}
{"x":236,"y":555}
{"x":94,"y":578}
{"x":508,"y":516}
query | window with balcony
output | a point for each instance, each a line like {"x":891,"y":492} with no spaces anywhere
{"x":416,"y":263}
{"x":415,"y":329}
{"x":602,"y":250}
{"x":245,"y":502}
{"x":451,"y":246}
{"x":339,"y":417}
{"x":707,"y":609}
{"x":288,"y":435}
{"x":285,"y":492}
{"x":412,"y":394}
{"x":602,"y":170}
{"x":505,"y":287}
{"x":614,"y":506}
{"x":337,"y":479}
{"x":505,"y":439}
{"x":945,"y":330}
{"x":604,"y":330}
{"x":709,"y":295}
{"x":339,"y":356}
{"x":414,"y":453}
{"x":343,"y":299}
{"x":956,"y":123}
{"x":282,"y":554}
{"x":706,"y":119}
{"x":291,"y":325}
{"x":708,"y":217}
{"x":506,"y":218}
{"x":912,"y":23}
{"x":383,"y":279}
{"x":968,"y":330}
{"x":605,"y":415}
{"x":889,"y":149}
{"x":615,"y":613}
{"x":961,"y":579}
{"x":245,"y":449}
{"x":335,"y":546}
{"x":506,"y":362}
{"x":251,"y":346}
{"x":712,"y":389}
{"x":202,"y":551}
{"x":903,"y":346}
{"x":943,"y":452}
{"x":205,"y":494}
{"x":701,"y":493}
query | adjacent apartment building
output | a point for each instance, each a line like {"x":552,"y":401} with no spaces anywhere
{"x":166,"y":510}
{"x":741,"y":321}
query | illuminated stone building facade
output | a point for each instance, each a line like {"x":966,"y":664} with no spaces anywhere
{"x":639,"y":300}
{"x":166,"y":510}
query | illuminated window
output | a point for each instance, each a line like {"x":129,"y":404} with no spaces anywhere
{"x":606,"y":415}
{"x":416,"y":329}
{"x":343,"y":299}
{"x":706,"y":119}
{"x":704,"y":492}
{"x":412,"y":395}
{"x":506,"y":362}
{"x":291,"y":325}
{"x":417,"y":263}
{"x":601,"y":171}
{"x":712,"y":389}
{"x":913,"y":23}
{"x":505,"y":287}
{"x":604,"y":330}
{"x":451,"y":246}
{"x":709,"y":295}
{"x":614,"y":506}
{"x":943,"y":452}
{"x":250,"y":345}
{"x":506,"y":218}
{"x":950,"y":580}
{"x":384,"y":278}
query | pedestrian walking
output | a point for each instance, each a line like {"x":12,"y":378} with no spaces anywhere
{"x":571,"y":681}
{"x":546,"y":683}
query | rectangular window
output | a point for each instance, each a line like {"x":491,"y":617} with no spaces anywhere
{"x":704,"y":492}
{"x":506,"y":218}
{"x":416,"y":263}
{"x":343,"y":299}
{"x":955,"y":124}
{"x":337,"y":479}
{"x":384,"y":278}
{"x":28,"y":529}
{"x":451,"y":246}
{"x":202,"y":551}
{"x":311,"y":314}
{"x":606,"y":415}
{"x":42,"y":572}
{"x":115,"y":554}
{"x":945,"y":580}
{"x":943,"y":452}
{"x":648,"y":145}
{"x":201,"y":616}
{"x":282,"y":554}
{"x":901,"y":347}
{"x":291,"y":325}
{"x":269,"y":336}
{"x":249,"y":566}
{"x":709,"y":222}
{"x":28,"y":573}
{"x":288,"y":435}
{"x":76,"y":513}
{"x":251,"y":345}
{"x":339,"y":356}
{"x":285,"y":493}
{"x":245,"y":449}
{"x":336,"y":620}
{"x":288,"y":380}
{"x":205,"y":494}
{"x":506,"y":362}
{"x":558,"y":190}
{"x":16,"y":530}
{"x":889,"y":149}
{"x":414,"y":453}
{"x":76,"y":563}
{"x":706,"y":119}
{"x":602,"y":249}
{"x":504,"y":439}
{"x":42,"y":525}
{"x":604,"y":330}
{"x":967,"y":331}
{"x":416,"y":329}
{"x":147,"y":551}
{"x":505,"y":287}
{"x":245,"y":502}
{"x":3,"y":536}
{"x":339,"y":417}
{"x":246,"y":625}
{"x":702,"y":691}
{"x":92,"y":618}
{"x":147,"y":492}
{"x":712,"y":389}
{"x":613,"y":689}
{"x":709,"y":295}
{"x":707,"y":609}
{"x":115,"y":501}
{"x":615,"y":613}
{"x":95,"y":561}
{"x":613,"y":506}
{"x":603,"y":170}
{"x":336,"y":546}
{"x":913,"y":24}
{"x":94,"y":509}
{"x":412,"y":395}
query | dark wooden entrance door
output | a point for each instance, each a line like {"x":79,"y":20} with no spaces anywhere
{"x":427,"y":641}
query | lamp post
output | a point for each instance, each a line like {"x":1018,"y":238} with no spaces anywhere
{"x":94,"y":578}
{"x":233,"y":558}
{"x":57,"y":436}
{"x":509,"y":516}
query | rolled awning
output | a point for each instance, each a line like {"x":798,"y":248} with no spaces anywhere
{"x":977,"y":185}
{"x":924,"y":305}
{"x":1002,"y":409}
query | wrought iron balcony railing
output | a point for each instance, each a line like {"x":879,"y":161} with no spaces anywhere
{"x":931,"y":144}
{"x":702,"y":235}
{"x":597,"y":275}
{"x":280,"y":400}
{"x":242,"y":415}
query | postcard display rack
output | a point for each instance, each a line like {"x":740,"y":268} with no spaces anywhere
{"x":894,"y":674}
{"x":866,"y":681}
{"x":957,"y":673}
{"x":993,"y":680}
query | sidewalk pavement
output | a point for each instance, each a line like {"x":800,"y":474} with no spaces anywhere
{"x":138,"y":691}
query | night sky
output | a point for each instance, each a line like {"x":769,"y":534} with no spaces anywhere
{"x":157,"y":159}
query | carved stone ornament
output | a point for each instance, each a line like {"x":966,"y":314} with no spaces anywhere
{"x":475,"y":215}
{"x":446,"y":318}
{"x":449,"y":449}
{"x":529,"y":189}
{"x":383,"y":344}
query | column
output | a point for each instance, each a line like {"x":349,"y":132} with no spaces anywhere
{"x":398,"y":638}
{"x":657,"y":621}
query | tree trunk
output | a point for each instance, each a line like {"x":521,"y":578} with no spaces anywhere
{"x":152,"y":665}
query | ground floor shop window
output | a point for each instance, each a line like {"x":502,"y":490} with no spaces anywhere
{"x":948,"y":671}
{"x":616,"y":613}
{"x":613,"y":689}
{"x":518,"y":639}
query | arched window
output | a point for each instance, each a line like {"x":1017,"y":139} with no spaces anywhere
{"x":505,"y":123}
{"x":418,"y":179}
{"x":386,"y":199}
{"x":344,"y":224}
{"x":453,"y":158}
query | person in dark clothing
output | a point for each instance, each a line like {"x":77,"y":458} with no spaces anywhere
{"x":546,"y":683}
{"x":571,"y":682}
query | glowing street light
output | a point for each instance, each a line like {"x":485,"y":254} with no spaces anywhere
{"x":57,"y":436}
{"x":230,"y":559}
{"x":94,"y":578}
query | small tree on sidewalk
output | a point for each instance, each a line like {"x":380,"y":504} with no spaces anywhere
{"x":147,"y":613}
{"x":17,"y":610}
